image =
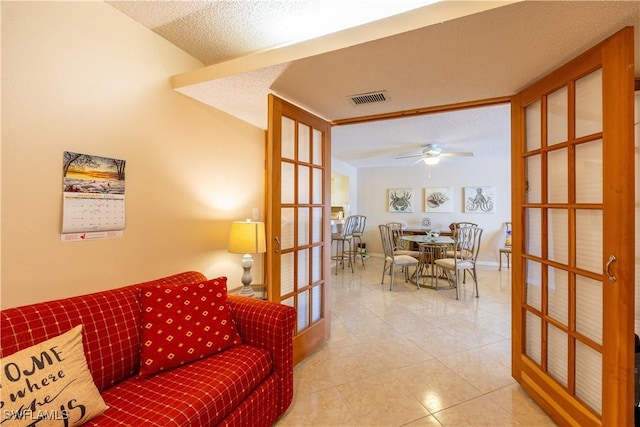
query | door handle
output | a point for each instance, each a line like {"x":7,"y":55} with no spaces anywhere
{"x":277,"y":249}
{"x":611,"y":277}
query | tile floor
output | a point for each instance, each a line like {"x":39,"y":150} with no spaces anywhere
{"x":413,"y":358}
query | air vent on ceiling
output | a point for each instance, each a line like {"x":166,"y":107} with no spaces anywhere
{"x":368,"y":98}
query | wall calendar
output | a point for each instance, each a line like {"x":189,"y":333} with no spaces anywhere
{"x":93,"y":197}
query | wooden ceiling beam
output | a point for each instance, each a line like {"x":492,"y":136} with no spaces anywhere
{"x":425,"y":110}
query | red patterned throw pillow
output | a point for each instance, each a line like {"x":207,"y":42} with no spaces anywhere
{"x":183,"y":323}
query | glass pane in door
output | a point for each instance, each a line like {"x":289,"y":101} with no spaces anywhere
{"x":534,"y":284}
{"x":558,"y":181}
{"x":288,"y":138}
{"x":304,"y":179}
{"x":589,"y":229}
{"x":589,"y":376}
{"x":286,"y":228}
{"x":589,"y":308}
{"x":589,"y":104}
{"x":287,"y":194}
{"x":303,"y":268}
{"x":316,"y":308}
{"x":303,"y":143}
{"x":533,"y":338}
{"x":303,"y":310}
{"x":558,"y":290}
{"x":316,"y":261}
{"x":533,"y":120}
{"x":316,"y":225}
{"x":317,"y":186}
{"x":589,"y":172}
{"x":303,"y":226}
{"x":558,"y":235}
{"x":533,"y":167}
{"x":558,"y":346}
{"x":533,"y":238}
{"x":286,"y":274}
{"x":317,"y":150}
{"x":557,"y":113}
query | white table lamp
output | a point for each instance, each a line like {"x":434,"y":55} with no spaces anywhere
{"x":247,"y":237}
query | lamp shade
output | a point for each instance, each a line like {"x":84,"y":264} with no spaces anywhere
{"x":247,"y":237}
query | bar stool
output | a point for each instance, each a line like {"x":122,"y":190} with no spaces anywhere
{"x":358,"y":232}
{"x":343,"y":239}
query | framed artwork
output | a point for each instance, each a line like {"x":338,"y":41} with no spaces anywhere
{"x":437,"y":199}
{"x":400,"y":200}
{"x":479,"y":199}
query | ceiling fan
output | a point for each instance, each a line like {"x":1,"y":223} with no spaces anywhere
{"x":431,"y":154}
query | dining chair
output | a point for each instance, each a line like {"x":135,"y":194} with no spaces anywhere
{"x":454,"y":226}
{"x":358,"y":232}
{"x":467,"y":241}
{"x":392,"y":260}
{"x":506,"y":249}
{"x":401,"y":247}
{"x":344,"y":243}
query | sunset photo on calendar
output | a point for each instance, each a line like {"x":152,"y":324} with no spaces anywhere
{"x":85,"y":173}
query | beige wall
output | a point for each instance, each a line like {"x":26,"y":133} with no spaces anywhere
{"x":456,"y":173}
{"x":81,"y":76}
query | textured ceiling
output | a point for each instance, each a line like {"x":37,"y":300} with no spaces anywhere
{"x":482,"y":50}
{"x":218,"y":30}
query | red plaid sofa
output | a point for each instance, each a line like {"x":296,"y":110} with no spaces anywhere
{"x":246,"y":385}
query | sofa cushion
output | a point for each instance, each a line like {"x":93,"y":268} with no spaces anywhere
{"x":111,"y":330}
{"x":201,"y":393}
{"x":49,"y":380}
{"x":183,"y":323}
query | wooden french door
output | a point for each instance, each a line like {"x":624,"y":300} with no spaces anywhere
{"x":298,"y":220}
{"x":573,"y":237}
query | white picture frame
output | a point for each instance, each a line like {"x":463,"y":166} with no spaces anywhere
{"x":400,"y":200}
{"x":479,"y":200}
{"x":438,"y":199}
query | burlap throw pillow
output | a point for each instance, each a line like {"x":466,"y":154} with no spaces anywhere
{"x":49,"y":384}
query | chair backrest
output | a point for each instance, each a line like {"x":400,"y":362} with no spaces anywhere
{"x":467,"y":243}
{"x":349,"y":226}
{"x":455,"y":225}
{"x":387,"y":240}
{"x":507,"y":234}
{"x":360,"y":224}
{"x":458,"y":225}
{"x":395,"y":228}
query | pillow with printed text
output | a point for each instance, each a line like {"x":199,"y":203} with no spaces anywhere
{"x":49,"y":385}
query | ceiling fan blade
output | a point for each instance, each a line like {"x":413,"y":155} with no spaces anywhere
{"x":459,"y":154}
{"x":410,"y":157}
{"x":384,"y":152}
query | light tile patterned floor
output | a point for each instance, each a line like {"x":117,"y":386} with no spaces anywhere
{"x":413,"y":358}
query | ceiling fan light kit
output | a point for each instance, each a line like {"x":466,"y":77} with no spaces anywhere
{"x":431,"y":160}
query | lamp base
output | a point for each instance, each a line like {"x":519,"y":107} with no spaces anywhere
{"x":247,"y":263}
{"x":246,"y":291}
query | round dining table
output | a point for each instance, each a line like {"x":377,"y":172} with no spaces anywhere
{"x":431,"y":248}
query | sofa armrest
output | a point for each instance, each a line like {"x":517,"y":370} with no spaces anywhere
{"x":270,"y":326}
